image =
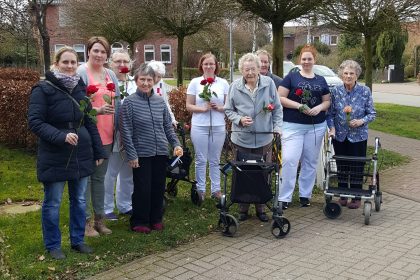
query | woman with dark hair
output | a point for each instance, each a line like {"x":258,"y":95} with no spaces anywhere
{"x":146,"y":128}
{"x":69,"y":145}
{"x":305,"y":97}
{"x":94,"y":73}
{"x":207,"y":123}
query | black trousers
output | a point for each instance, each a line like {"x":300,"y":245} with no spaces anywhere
{"x":149,"y":187}
{"x":347,"y":148}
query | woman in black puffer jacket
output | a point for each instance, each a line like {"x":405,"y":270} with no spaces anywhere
{"x":69,"y":146}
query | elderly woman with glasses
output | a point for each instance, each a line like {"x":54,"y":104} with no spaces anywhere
{"x":253,"y":122}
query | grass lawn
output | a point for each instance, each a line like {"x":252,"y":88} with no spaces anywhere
{"x":22,"y":255}
{"x":398,"y":120}
{"x":173,"y":82}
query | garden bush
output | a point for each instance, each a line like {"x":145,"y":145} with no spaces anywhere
{"x":177,"y":99}
{"x":15,"y":88}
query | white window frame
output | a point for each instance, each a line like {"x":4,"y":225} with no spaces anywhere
{"x":331,"y":40}
{"x":78,"y":49}
{"x":149,"y":49}
{"x":325,"y":38}
{"x":57,"y":47}
{"x":63,"y":18}
{"x":165,"y":48}
{"x":316,"y":39}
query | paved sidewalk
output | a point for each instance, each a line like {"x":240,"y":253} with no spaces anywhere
{"x":316,"y":247}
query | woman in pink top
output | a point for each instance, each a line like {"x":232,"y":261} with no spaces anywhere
{"x":106,"y":102}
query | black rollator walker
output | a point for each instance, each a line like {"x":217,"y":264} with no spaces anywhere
{"x":347,"y":170}
{"x":252,"y":183}
{"x":179,"y":170}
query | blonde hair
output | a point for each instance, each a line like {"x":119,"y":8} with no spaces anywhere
{"x":59,"y":53}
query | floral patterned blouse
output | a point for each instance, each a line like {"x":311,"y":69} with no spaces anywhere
{"x":361,"y":102}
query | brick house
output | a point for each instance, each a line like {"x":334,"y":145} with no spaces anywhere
{"x":295,"y":36}
{"x":155,"y":47}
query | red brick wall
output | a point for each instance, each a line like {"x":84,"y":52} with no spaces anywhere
{"x":157,"y":40}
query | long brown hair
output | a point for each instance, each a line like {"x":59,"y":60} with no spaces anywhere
{"x":204,"y":57}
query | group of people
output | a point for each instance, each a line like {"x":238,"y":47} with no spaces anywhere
{"x":99,"y":127}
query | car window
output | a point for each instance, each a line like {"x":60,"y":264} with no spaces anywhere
{"x":323,"y":71}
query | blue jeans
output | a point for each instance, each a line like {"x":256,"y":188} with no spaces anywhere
{"x":53,"y":193}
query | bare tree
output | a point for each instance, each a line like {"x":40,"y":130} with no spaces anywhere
{"x":117,"y":20}
{"x":370,"y":18}
{"x":38,"y":10}
{"x":278,"y":12}
{"x":183,"y":18}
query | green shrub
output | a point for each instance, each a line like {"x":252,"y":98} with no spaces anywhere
{"x":409,"y":71}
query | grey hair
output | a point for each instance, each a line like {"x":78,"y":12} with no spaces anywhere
{"x":158,"y":67}
{"x":144,"y":70}
{"x":350,"y":64}
{"x":120,"y":51}
{"x":249,"y":57}
{"x":264,"y":52}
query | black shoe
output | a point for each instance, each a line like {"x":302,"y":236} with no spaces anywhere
{"x":57,"y":254}
{"x":284,"y":205}
{"x":243,"y":216}
{"x":263,"y":217}
{"x":82,"y":248}
{"x":304,"y":202}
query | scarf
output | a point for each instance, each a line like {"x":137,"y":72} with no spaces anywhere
{"x":67,"y":81}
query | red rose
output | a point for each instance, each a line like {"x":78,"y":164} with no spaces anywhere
{"x":203,"y":82}
{"x":299,"y":92}
{"x":270,"y":107}
{"x":124,"y":70}
{"x":91,"y":89}
{"x":110,"y":86}
{"x":210,"y":80}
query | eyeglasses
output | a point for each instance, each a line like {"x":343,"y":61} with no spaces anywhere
{"x":208,"y":64}
{"x":121,"y":61}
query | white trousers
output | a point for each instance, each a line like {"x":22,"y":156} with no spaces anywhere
{"x":300,"y":142}
{"x":207,"y":148}
{"x":118,"y":166}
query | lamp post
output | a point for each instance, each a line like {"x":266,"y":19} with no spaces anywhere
{"x":231,"y":58}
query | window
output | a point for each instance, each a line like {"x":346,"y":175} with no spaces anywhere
{"x":63,"y":18}
{"x":116,"y":46}
{"x":57,"y":47}
{"x":333,"y":40}
{"x":149,"y":53}
{"x":165,"y":53}
{"x":315,"y":39}
{"x":81,"y":54}
{"x":325,"y":38}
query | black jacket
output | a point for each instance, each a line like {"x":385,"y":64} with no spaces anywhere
{"x":52,"y":114}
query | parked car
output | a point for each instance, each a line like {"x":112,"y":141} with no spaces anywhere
{"x":324,"y":71}
{"x":287,"y":66}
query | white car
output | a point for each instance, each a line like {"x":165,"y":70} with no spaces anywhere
{"x":324,"y":71}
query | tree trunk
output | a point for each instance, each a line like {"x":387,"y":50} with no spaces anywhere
{"x":277,"y":48}
{"x":368,"y":60}
{"x":180,"y":57}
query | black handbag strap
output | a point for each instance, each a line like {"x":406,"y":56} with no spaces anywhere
{"x":68,"y":94}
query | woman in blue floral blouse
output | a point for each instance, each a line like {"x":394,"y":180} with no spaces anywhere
{"x":348,"y":117}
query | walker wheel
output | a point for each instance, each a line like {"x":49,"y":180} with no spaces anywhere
{"x":280,"y":227}
{"x":332,"y":210}
{"x":228,"y":224}
{"x":172,"y":189}
{"x":378,"y":201}
{"x":195,"y":197}
{"x":366,"y":211}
